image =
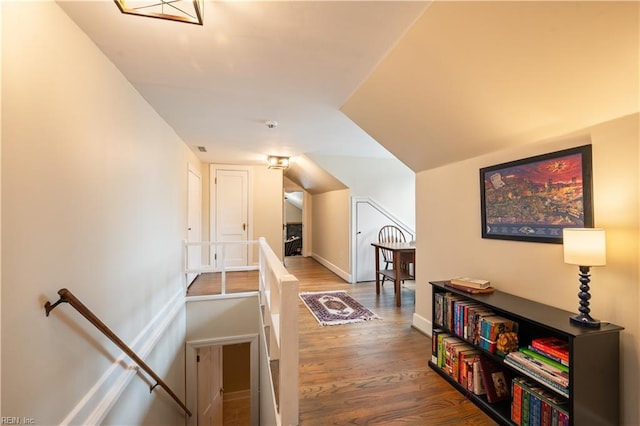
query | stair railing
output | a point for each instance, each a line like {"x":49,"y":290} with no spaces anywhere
{"x":67,"y":297}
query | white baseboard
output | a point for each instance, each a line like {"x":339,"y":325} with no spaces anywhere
{"x":422,"y":324}
{"x":97,"y":402}
{"x":333,"y":268}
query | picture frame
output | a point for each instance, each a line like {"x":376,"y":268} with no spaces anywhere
{"x":532,"y":199}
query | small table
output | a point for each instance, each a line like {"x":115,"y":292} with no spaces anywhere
{"x":404,"y":254}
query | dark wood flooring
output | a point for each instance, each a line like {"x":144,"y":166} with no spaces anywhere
{"x":374,"y":372}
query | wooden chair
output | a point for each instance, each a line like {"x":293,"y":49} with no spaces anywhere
{"x":389,"y":234}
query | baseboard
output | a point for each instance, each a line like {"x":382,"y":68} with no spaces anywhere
{"x":333,"y":268}
{"x":422,"y":324}
{"x":97,"y":402}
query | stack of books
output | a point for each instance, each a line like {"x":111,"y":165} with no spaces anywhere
{"x":548,"y":372}
{"x":470,"y":285}
{"x":532,"y":405}
{"x":553,"y":348}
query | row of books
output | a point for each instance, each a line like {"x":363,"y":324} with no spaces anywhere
{"x":468,"y":367}
{"x":552,"y":374}
{"x":532,"y":405}
{"x":470,"y":320}
{"x":458,"y":359}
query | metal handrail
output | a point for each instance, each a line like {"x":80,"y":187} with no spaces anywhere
{"x":67,"y":297}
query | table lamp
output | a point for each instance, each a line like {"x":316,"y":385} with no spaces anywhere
{"x":584,"y":247}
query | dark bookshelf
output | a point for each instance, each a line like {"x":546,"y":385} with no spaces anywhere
{"x":594,"y":356}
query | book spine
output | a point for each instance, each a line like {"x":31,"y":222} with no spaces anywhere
{"x":526,"y":402}
{"x":437,"y":308}
{"x":534,"y":410}
{"x":545,"y":415}
{"x":516,"y":403}
{"x":478,"y":384}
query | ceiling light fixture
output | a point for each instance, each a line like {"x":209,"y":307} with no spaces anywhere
{"x":276,"y":162}
{"x":189,"y":11}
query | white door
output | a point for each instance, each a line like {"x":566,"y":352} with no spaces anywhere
{"x":231,"y":211}
{"x":210,"y":390}
{"x":194,"y":219}
{"x":369,"y":220}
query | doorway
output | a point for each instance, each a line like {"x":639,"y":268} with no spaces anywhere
{"x":200,"y":391}
{"x":293,"y":208}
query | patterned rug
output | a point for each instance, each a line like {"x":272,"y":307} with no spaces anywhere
{"x":336,"y":307}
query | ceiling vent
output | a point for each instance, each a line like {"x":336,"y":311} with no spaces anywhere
{"x":202,"y":149}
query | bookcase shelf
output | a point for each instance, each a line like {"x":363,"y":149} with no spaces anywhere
{"x":594,"y":356}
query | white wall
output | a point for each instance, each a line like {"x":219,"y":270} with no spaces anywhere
{"x":229,"y":317}
{"x":450,"y":243}
{"x":94,"y":188}
{"x":330,"y":223}
{"x":387,"y":180}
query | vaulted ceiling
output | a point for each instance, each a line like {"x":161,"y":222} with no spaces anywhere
{"x":474,"y":77}
{"x":431,"y":83}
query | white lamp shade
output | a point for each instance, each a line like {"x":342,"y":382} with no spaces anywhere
{"x":584,"y":246}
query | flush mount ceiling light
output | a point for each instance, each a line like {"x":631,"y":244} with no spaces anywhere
{"x":189,"y":11}
{"x":276,"y":162}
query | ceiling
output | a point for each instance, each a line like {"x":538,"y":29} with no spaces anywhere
{"x":475,"y":77}
{"x":293,"y":62}
{"x":433,"y":83}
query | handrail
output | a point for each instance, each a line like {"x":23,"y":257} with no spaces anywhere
{"x":67,"y":297}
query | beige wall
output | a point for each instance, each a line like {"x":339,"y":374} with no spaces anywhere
{"x":330,"y":221}
{"x":267,"y":208}
{"x":94,"y":193}
{"x":449,"y":242}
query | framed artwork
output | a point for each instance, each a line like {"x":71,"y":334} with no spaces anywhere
{"x":534,"y":198}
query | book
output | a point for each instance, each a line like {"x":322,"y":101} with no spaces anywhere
{"x":490,"y":329}
{"x":470,"y":282}
{"x":478,"y":381}
{"x":553,"y":346}
{"x":496,"y":380}
{"x":435,"y":333}
{"x":516,"y":403}
{"x":467,"y":289}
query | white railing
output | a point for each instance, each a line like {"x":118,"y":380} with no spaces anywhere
{"x":221,"y":254}
{"x":279,"y":316}
{"x":278,"y":295}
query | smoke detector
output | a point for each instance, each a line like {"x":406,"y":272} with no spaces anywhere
{"x":271,"y":124}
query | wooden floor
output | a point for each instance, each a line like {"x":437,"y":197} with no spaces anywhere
{"x":374,"y":372}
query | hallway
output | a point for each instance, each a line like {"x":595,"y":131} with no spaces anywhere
{"x":373,"y":372}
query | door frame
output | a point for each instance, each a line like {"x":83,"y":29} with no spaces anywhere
{"x":191,"y":372}
{"x":213,"y":170}
{"x":355,"y":200}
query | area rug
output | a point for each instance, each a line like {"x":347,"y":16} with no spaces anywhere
{"x":336,"y":307}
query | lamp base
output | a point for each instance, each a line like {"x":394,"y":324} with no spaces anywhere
{"x":582,"y":320}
